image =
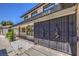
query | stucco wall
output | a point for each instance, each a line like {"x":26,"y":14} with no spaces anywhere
{"x":78,"y":29}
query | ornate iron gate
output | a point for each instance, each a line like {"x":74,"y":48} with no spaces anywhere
{"x":58,"y":33}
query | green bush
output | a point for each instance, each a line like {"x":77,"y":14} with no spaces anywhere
{"x":10,"y":35}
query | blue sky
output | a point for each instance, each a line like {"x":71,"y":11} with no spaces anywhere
{"x":13,"y":11}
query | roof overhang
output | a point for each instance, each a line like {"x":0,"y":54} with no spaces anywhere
{"x":35,"y":7}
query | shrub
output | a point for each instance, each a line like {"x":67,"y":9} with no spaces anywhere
{"x":10,"y":35}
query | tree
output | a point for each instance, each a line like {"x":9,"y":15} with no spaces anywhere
{"x":5,"y":23}
{"x":9,"y":23}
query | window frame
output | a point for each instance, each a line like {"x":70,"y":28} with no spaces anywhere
{"x":26,"y":17}
{"x":31,"y":27}
{"x":48,"y":6}
{"x":34,"y":13}
{"x":23,"y":29}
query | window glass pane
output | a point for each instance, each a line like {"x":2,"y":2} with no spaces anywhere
{"x":26,"y":17}
{"x":30,"y":30}
{"x":34,"y":13}
{"x":23,"y":29}
{"x":48,"y":6}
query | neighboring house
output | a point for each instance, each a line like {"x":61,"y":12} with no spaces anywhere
{"x":53,"y":25}
{"x":4,"y":30}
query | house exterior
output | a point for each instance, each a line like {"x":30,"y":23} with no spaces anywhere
{"x":4,"y":29}
{"x":53,"y":25}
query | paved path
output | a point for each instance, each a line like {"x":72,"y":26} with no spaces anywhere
{"x":28,"y":48}
{"x":21,"y":43}
{"x":3,"y":42}
{"x":4,"y":45}
{"x":23,"y":47}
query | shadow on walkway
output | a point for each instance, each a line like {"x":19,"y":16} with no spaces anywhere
{"x":3,"y":52}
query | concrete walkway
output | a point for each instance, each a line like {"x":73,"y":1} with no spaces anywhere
{"x":3,"y":42}
{"x":28,"y":48}
{"x":23,"y":47}
{"x":5,"y":46}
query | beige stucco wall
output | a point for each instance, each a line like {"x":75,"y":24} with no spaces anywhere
{"x":40,"y":9}
{"x":78,"y":28}
{"x":26,"y":24}
{"x":23,"y":25}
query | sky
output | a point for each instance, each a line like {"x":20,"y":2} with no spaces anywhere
{"x":13,"y":11}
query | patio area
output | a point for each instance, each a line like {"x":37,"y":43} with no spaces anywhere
{"x":23,"y":47}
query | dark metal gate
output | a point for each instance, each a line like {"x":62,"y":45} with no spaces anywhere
{"x":58,"y":33}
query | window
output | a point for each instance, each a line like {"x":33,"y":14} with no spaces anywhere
{"x":30,"y":30}
{"x":26,"y":17}
{"x":23,"y":29}
{"x":34,"y":13}
{"x":48,"y":6}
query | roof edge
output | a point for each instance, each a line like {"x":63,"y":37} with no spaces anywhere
{"x":35,"y":7}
